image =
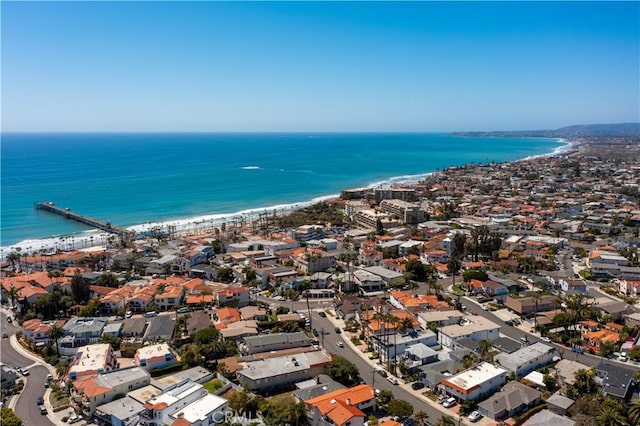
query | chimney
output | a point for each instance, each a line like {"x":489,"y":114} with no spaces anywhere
{"x":348,"y":401}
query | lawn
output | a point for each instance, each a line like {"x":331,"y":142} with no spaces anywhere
{"x":212,"y":386}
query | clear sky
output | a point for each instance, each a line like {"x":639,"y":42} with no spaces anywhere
{"x":218,"y":66}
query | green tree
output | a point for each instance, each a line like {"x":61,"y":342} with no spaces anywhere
{"x":385,"y":397}
{"x":634,"y":412}
{"x":55,"y":333}
{"x":206,"y":335}
{"x":446,"y":420}
{"x":550,"y":382}
{"x":469,"y":360}
{"x":485,"y":347}
{"x":342,"y":371}
{"x":584,"y":384}
{"x":421,"y":418}
{"x":80,"y":288}
{"x":609,"y":416}
{"x":474,"y":274}
{"x":400,"y":408}
{"x":9,"y":418}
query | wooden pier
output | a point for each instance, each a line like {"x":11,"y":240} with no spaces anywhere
{"x":66,"y":213}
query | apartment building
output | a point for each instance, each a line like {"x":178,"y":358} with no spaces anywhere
{"x":89,"y":392}
{"x":476,"y":329}
{"x":272,"y":373}
{"x":154,"y":357}
{"x":92,"y":359}
{"x":475,"y":383}
{"x":526,"y":359}
{"x":405,"y":212}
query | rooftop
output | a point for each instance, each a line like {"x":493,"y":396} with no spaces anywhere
{"x":200,"y":409}
{"x":271,"y":367}
{"x":475,"y":376}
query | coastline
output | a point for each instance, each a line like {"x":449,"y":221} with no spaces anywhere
{"x":193,"y":225}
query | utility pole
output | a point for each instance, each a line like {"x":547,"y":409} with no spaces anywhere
{"x":322,"y":334}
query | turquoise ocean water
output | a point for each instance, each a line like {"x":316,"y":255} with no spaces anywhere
{"x":134,"y":179}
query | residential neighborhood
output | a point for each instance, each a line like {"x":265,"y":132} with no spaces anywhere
{"x":485,"y":294}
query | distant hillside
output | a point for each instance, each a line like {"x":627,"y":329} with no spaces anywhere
{"x":580,"y":130}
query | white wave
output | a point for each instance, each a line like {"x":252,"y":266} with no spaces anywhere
{"x":565,"y":147}
{"x":251,"y":168}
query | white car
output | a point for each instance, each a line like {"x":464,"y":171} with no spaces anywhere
{"x":74,"y":419}
{"x":484,"y":308}
{"x":392,"y":380}
{"x":340,"y":344}
{"x":449,"y":402}
{"x":545,"y":339}
{"x":475,"y":416}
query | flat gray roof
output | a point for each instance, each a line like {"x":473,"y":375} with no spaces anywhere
{"x":123,"y":408}
{"x":271,"y":367}
{"x":276,"y":338}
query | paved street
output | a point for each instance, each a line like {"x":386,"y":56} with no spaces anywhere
{"x":26,"y":406}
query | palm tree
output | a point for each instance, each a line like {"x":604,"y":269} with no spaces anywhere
{"x":55,"y":333}
{"x":13,"y":294}
{"x":485,"y":349}
{"x":634,"y":412}
{"x":446,"y":421}
{"x":609,"y":416}
{"x":469,"y":360}
{"x":420,"y":418}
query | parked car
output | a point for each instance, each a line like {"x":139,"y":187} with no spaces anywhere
{"x":43,"y":410}
{"x":577,"y":349}
{"x":74,"y":419}
{"x":40,"y":401}
{"x":382,"y":373}
{"x":442,"y":399}
{"x":9,"y":320}
{"x":417,"y":385}
{"x":315,"y":332}
{"x":323,"y":314}
{"x":5,"y":335}
{"x":150,"y":314}
{"x":340,"y":344}
{"x":545,"y":339}
{"x":183,"y":310}
{"x":392,"y":380}
{"x":24,"y":371}
{"x":338,"y":330}
{"x":475,"y":416}
{"x":129,"y":314}
{"x":450,"y":402}
{"x":49,"y":377}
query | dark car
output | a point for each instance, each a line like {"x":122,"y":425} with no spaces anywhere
{"x":315,"y":332}
{"x":322,"y":314}
{"x":417,"y":385}
{"x":338,"y":330}
{"x":40,"y":401}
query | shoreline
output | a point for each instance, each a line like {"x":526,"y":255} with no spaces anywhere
{"x":187,"y":226}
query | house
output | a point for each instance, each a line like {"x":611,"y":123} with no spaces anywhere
{"x":7,"y":377}
{"x":91,"y":391}
{"x":495,"y":290}
{"x":155,"y":357}
{"x":342,"y":406}
{"x":559,"y":404}
{"x":160,"y":328}
{"x":368,"y":282}
{"x":233,"y":296}
{"x":134,"y":327}
{"x":548,"y":418}
{"x":269,"y":374}
{"x":573,"y":286}
{"x":527,"y":359}
{"x":477,"y":328}
{"x":475,"y":383}
{"x":81,"y":331}
{"x":188,"y":401}
{"x":37,"y":330}
{"x":616,"y":380}
{"x":318,"y":386}
{"x":274,"y":342}
{"x":527,"y":306}
{"x":92,"y":359}
{"x":514,"y":399}
{"x":169,"y":298}
{"x":617,"y":310}
{"x":388,"y":276}
{"x":441,"y":318}
{"x":121,"y":412}
{"x":418,"y":355}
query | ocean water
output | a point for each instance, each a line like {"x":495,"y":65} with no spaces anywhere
{"x":144,"y":179}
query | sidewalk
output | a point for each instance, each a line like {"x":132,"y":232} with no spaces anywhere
{"x":405,"y":386}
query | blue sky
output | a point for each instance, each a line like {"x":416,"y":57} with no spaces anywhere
{"x":218,"y":66}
